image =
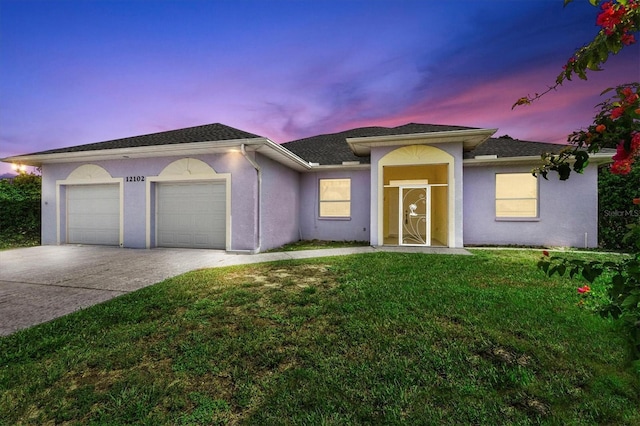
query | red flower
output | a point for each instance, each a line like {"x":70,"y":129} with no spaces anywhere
{"x":629,"y":96}
{"x":627,"y":39}
{"x":621,"y":153}
{"x":584,"y":289}
{"x":610,"y":17}
{"x":635,"y":143}
{"x":617,"y":113}
{"x":569,"y":63}
{"x":623,"y":159}
{"x":545,"y":253}
{"x":622,"y":167}
{"x":600,"y":128}
{"x":636,"y":201}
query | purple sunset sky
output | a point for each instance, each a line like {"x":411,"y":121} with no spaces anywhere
{"x":75,"y":72}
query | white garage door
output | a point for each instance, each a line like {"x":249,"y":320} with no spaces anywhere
{"x":191,"y":215}
{"x":93,"y":214}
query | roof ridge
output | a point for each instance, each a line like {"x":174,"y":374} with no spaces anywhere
{"x":335,"y":133}
{"x":183,"y":129}
{"x":386,"y":128}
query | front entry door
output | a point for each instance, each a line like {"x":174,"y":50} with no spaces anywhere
{"x":414,"y":214}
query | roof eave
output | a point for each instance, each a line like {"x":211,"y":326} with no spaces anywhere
{"x":282,"y":155}
{"x":341,"y":167}
{"x":470,"y":139}
{"x":532,"y":159}
{"x":275,"y":152}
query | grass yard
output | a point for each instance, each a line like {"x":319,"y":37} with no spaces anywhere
{"x":11,"y":240}
{"x":318,"y":245}
{"x":383,"y":338}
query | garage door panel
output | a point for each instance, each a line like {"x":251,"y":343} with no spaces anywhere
{"x":93,"y":214}
{"x":92,"y":223}
{"x":201,"y":239}
{"x":100,"y":237}
{"x":185,"y":239}
{"x":191,"y":215}
{"x":166,"y":239}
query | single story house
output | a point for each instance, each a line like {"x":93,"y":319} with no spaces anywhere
{"x":217,"y":187}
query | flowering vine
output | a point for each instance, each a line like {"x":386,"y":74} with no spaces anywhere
{"x":618,"y":21}
{"x":616,"y":126}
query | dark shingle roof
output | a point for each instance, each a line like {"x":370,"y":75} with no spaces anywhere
{"x":327,"y":149}
{"x":332,"y":148}
{"x":508,"y":147}
{"x":205,"y":133}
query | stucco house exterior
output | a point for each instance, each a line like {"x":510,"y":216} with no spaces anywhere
{"x":217,"y":187}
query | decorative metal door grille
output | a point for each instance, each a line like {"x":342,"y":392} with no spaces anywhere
{"x":414,"y":215}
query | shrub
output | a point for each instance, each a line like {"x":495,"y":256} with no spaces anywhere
{"x":616,"y":211}
{"x":20,"y":209}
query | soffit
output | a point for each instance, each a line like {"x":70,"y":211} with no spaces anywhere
{"x":470,"y":139}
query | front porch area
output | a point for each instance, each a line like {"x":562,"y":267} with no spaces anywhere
{"x":415,"y":205}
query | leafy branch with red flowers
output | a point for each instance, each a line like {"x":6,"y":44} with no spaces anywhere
{"x":617,"y":125}
{"x":618,"y":21}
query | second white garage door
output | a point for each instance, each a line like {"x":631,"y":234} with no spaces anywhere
{"x":191,"y":215}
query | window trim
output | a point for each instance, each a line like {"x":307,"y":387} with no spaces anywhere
{"x":321,"y":202}
{"x":534,"y":218}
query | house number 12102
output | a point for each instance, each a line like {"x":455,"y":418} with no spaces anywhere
{"x":134,"y":179}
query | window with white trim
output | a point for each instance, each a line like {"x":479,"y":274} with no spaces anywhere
{"x":335,"y":198}
{"x":516,"y":195}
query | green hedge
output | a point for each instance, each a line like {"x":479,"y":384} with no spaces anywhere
{"x":616,"y":208}
{"x":20,"y":210}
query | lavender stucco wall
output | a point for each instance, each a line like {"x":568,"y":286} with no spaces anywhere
{"x":50,"y":173}
{"x":356,"y":228}
{"x":243,"y":196}
{"x":567,"y":211}
{"x":279,"y":204}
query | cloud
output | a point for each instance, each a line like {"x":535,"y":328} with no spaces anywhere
{"x":488,"y":103}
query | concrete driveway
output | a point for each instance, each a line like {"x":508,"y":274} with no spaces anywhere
{"x":38,"y":284}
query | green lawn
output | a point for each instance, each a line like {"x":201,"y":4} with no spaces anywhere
{"x":318,"y":245}
{"x":383,"y":338}
{"x":11,"y":240}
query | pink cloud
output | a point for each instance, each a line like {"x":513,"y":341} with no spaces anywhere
{"x":489,"y":105}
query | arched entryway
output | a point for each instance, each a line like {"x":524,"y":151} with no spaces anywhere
{"x":417,"y":203}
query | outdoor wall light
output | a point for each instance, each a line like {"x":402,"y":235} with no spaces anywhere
{"x":19,"y":167}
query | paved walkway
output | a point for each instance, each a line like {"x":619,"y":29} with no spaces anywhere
{"x":38,"y":284}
